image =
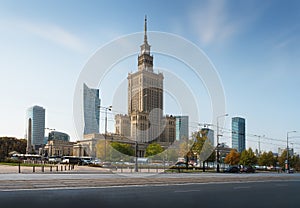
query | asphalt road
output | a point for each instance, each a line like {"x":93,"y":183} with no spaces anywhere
{"x":220,"y":194}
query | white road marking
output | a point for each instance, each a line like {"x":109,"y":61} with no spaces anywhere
{"x":242,"y":187}
{"x":281,"y":185}
{"x":185,"y":191}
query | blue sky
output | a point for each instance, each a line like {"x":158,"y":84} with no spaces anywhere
{"x":254,"y":46}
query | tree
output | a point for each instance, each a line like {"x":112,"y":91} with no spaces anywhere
{"x":123,"y":148}
{"x":267,"y":159}
{"x":184,"y":147}
{"x":282,"y":159}
{"x":233,"y":158}
{"x":100,"y":149}
{"x":295,"y":162}
{"x":248,"y":157}
{"x":203,"y":147}
{"x":153,"y":149}
{"x":9,"y":144}
{"x":169,"y":154}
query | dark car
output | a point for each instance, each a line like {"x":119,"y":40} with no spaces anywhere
{"x":248,"y":169}
{"x":232,"y":169}
{"x":180,"y":165}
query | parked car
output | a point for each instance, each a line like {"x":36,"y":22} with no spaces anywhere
{"x":86,"y":162}
{"x":96,"y":162}
{"x":247,"y":169}
{"x":180,"y":165}
{"x":232,"y":169}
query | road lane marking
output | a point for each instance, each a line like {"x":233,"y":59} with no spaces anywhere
{"x":186,"y":191}
{"x":242,"y":187}
{"x":281,"y":185}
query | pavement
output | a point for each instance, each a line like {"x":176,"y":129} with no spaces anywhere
{"x":93,"y":177}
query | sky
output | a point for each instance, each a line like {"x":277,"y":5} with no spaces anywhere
{"x":253,"y":45}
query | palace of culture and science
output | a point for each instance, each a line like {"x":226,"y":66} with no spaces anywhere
{"x":145,"y":122}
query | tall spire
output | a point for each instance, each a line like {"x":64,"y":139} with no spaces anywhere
{"x":145,"y":60}
{"x":145,"y":30}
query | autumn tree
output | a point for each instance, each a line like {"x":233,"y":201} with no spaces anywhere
{"x":233,"y":158}
{"x":248,"y":157}
{"x":203,"y":148}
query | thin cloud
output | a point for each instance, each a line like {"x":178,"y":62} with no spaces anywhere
{"x":50,"y":32}
{"x":211,"y":22}
{"x":57,"y":35}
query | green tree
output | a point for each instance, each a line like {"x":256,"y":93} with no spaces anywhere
{"x":9,"y":144}
{"x":153,"y":149}
{"x":232,"y":158}
{"x":295,"y":162}
{"x":123,"y":148}
{"x":248,"y":157}
{"x":282,"y":159}
{"x":100,"y":149}
{"x":267,"y":159}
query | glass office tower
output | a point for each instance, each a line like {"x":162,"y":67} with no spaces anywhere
{"x":182,"y":127}
{"x":91,"y":110}
{"x":37,"y":115}
{"x":238,"y":134}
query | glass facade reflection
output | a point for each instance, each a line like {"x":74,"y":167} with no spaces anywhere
{"x":238,"y":134}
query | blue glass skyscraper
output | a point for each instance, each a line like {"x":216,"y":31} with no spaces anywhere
{"x":238,"y":134}
{"x":91,"y":110}
{"x":182,"y":127}
{"x":37,"y":115}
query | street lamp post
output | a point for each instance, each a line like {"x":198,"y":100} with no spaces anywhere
{"x":105,"y":131}
{"x":218,"y":135}
{"x":49,"y":151}
{"x":287,"y":151}
{"x":136,"y":136}
{"x":136,"y":146}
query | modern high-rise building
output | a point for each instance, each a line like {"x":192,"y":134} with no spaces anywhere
{"x":182,"y":127}
{"x":36,"y":115}
{"x":57,"y":135}
{"x":238,"y":126}
{"x":91,"y":110}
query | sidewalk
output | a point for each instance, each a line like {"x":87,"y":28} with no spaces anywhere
{"x":7,"y":169}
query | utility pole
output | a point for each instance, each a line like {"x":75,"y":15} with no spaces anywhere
{"x":287,"y":151}
{"x":136,"y":145}
{"x":105,"y":131}
{"x":218,"y":135}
